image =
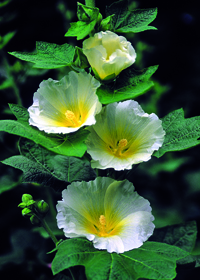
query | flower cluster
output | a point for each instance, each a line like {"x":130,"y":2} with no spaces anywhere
{"x":107,"y":212}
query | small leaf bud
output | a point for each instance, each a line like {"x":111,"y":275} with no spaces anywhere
{"x":26,"y":212}
{"x":22,"y":205}
{"x":42,"y":207}
{"x":26,"y":197}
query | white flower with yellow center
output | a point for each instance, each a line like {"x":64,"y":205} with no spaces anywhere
{"x":107,"y":212}
{"x":108,"y":54}
{"x":66,"y":105}
{"x":123,"y":135}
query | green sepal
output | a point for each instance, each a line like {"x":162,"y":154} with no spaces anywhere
{"x":80,"y":60}
{"x":22,"y":205}
{"x":26,"y":197}
{"x":71,"y":144}
{"x":86,"y":13}
{"x":30,"y":203}
{"x":88,"y":17}
{"x":126,"y":20}
{"x":34,"y":220}
{"x":181,"y":133}
{"x":48,"y":55}
{"x":106,"y":23}
{"x":26,"y":212}
{"x":130,"y":84}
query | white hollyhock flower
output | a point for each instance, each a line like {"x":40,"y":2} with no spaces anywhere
{"x":66,"y":105}
{"x":107,"y":212}
{"x":123,"y":135}
{"x":108,"y":54}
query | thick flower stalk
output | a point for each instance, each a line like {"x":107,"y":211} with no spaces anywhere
{"x":66,"y":105}
{"x":108,"y":54}
{"x":107,"y":212}
{"x":123,"y":135}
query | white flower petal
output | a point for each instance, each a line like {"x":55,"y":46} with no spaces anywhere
{"x":108,"y":213}
{"x":65,"y":106}
{"x":108,"y":53}
{"x":140,"y":135}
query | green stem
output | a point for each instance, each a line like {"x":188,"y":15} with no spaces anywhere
{"x":90,"y":3}
{"x":48,"y":230}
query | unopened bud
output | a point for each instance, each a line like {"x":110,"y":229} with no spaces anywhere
{"x":26,"y":212}
{"x":26,"y":197}
{"x":42,"y":207}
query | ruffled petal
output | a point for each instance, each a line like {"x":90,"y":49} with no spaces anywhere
{"x":123,"y":135}
{"x":107,"y":212}
{"x":65,"y":106}
{"x":108,"y":54}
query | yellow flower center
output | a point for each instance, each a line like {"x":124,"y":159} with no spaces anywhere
{"x":102,"y":228}
{"x":119,"y":149}
{"x":72,"y":119}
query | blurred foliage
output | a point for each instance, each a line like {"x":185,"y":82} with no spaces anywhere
{"x":171,"y":183}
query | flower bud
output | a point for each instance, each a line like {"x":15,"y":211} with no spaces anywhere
{"x":26,"y":197}
{"x":42,"y":207}
{"x":26,"y":212}
{"x":108,"y":54}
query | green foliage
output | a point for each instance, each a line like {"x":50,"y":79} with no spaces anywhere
{"x":153,"y":260}
{"x":125,"y":20}
{"x":183,"y":236}
{"x":130,"y":84}
{"x":44,"y":167}
{"x":48,"y":55}
{"x":6,"y":38}
{"x":69,"y":145}
{"x":88,"y":18}
{"x":4,"y":3}
{"x":106,"y":23}
{"x":181,"y":133}
{"x":7,"y":182}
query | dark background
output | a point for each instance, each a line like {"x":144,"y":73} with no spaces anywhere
{"x":171,"y":183}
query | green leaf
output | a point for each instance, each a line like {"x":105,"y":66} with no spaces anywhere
{"x":7,"y":83}
{"x":130,"y":21}
{"x":182,"y":235}
{"x":7,"y":182}
{"x":70,"y":145}
{"x":44,"y":167}
{"x":48,"y":55}
{"x":6,"y":38}
{"x":86,"y":13}
{"x":80,"y":29}
{"x":151,"y":261}
{"x":130,"y":84}
{"x":88,"y":18}
{"x":4,"y":3}
{"x":181,"y":133}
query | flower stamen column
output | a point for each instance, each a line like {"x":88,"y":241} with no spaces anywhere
{"x":120,"y":148}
